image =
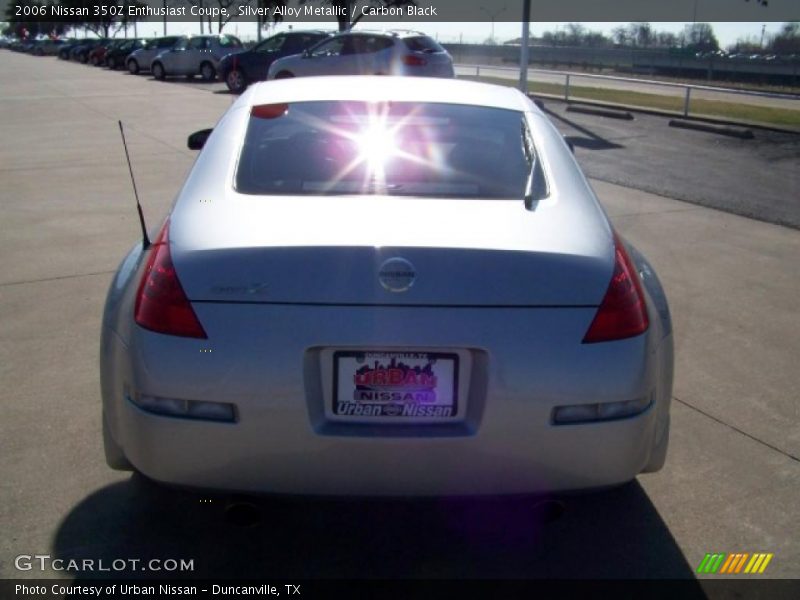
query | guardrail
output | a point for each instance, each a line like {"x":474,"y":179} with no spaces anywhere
{"x":688,"y":88}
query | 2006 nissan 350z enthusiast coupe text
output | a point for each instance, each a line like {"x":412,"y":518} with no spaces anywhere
{"x":368,"y":287}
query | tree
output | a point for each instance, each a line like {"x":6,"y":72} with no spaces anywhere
{"x":574,"y":34}
{"x":666,"y":39}
{"x":641,"y":34}
{"x":621,"y":35}
{"x":230,"y":8}
{"x":700,"y":38}
{"x":102,"y":25}
{"x":263,"y":21}
{"x":348,"y":12}
{"x":787,"y":41}
{"x":33,"y":26}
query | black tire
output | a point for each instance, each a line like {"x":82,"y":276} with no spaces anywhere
{"x":158,"y":71}
{"x":236,"y":81}
{"x":208,"y":72}
{"x":111,"y":63}
{"x":95,"y":61}
{"x":133,"y":67}
{"x":284,"y":75}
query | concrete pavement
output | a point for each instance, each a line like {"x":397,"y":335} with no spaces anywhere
{"x":732,"y":474}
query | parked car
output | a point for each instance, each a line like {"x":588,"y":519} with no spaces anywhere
{"x":369,"y":53}
{"x":65,"y":50}
{"x":47,"y":47}
{"x":240,"y":69}
{"x":376,"y":288}
{"x":115,"y":57}
{"x":97,"y":55}
{"x":140,"y":60}
{"x":195,"y":55}
{"x":81,"y":51}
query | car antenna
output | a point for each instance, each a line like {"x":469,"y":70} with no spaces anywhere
{"x":145,"y":238}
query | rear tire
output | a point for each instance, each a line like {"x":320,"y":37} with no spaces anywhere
{"x":133,"y":67}
{"x":158,"y":71}
{"x":284,"y":75}
{"x":111,"y":63}
{"x":208,"y":72}
{"x":236,"y":81}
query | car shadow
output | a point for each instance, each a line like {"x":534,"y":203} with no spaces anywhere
{"x":180,"y":80}
{"x":611,"y":534}
{"x":590,"y":140}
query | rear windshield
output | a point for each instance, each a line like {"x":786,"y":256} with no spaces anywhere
{"x":167,"y":42}
{"x":409,"y":149}
{"x":228,"y":41}
{"x":423,"y":43}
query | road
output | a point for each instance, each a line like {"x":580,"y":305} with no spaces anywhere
{"x":733,"y":471}
{"x":580,"y":80}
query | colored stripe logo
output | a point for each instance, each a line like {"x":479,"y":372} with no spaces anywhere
{"x":734,"y":564}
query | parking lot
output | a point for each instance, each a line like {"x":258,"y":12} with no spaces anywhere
{"x":733,"y":470}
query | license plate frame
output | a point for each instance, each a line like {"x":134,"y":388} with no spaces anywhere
{"x":426,"y":390}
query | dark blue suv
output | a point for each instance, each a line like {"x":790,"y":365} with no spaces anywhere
{"x":240,"y":69}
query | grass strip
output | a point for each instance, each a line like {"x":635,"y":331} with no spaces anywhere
{"x":748,"y":113}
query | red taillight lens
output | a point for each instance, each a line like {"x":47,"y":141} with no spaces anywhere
{"x":412,"y":60}
{"x":269,"y":111}
{"x":622,"y":313}
{"x":161,"y":303}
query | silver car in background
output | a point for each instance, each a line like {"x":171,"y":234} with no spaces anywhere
{"x":194,"y":55}
{"x":367,"y":287}
{"x":369,"y":53}
{"x":140,"y":60}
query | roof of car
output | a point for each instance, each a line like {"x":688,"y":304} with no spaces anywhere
{"x":384,"y":33}
{"x":385,"y":89}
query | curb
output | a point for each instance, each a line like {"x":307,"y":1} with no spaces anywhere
{"x":744,"y":134}
{"x":600,"y":112}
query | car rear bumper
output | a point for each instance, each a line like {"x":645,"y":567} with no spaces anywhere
{"x":273,"y":456}
{"x":282,"y":442}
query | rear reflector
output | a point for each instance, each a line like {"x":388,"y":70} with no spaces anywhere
{"x":622,"y":313}
{"x":412,"y":60}
{"x":605,"y":411}
{"x":161,"y":303}
{"x":187,"y":409}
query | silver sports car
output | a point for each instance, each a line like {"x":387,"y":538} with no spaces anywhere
{"x":368,"y":287}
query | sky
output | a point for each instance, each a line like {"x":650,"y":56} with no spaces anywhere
{"x":727,"y":33}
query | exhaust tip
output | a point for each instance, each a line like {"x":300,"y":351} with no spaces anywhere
{"x":242,"y":513}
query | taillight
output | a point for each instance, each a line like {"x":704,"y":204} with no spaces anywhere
{"x":412,"y":60}
{"x":269,"y":111}
{"x":622,"y":313}
{"x":161,"y":303}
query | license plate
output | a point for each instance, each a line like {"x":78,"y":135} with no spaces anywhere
{"x":395,"y":386}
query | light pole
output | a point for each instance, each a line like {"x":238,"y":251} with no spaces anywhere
{"x":523,"y":50}
{"x":492,"y":16}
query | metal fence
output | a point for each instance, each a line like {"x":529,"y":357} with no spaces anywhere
{"x":687,"y":92}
